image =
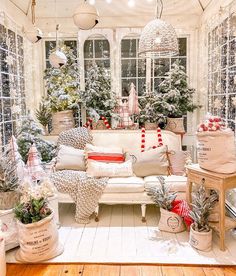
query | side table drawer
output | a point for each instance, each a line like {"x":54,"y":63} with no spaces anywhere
{"x":208,"y":181}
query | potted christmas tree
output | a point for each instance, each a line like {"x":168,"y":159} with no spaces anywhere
{"x":178,"y":97}
{"x":62,"y":86}
{"x":151,"y":110}
{"x":98,"y":98}
{"x":163,"y":198}
{"x":200,"y":231}
{"x":44,"y":115}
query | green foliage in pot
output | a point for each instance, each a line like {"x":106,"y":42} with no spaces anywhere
{"x":62,"y":83}
{"x":98,"y":97}
{"x":32,"y":211}
{"x":30,"y":133}
{"x":176,"y":93}
{"x":201,"y":206}
{"x":161,"y":194}
{"x":44,"y":114}
{"x":8,"y":174}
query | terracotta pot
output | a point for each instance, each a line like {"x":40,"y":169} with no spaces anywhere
{"x":99,"y":125}
{"x":170,"y":222}
{"x":8,"y":200}
{"x":175,"y":125}
{"x":150,"y":126}
{"x":62,"y":121}
{"x":200,"y":240}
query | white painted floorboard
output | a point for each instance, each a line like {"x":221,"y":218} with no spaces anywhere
{"x":121,"y":237}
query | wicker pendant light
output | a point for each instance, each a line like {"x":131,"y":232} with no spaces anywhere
{"x":158,"y":37}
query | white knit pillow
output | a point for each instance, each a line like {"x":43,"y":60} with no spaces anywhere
{"x":100,"y":169}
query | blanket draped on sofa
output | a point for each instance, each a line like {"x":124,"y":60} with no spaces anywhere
{"x":85,"y":191}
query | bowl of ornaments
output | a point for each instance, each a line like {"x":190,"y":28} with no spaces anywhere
{"x":212,"y":123}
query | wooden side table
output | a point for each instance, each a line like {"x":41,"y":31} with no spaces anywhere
{"x":214,"y":181}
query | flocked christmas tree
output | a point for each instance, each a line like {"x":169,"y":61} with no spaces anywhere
{"x":62,"y":83}
{"x":175,"y":92}
{"x":98,"y":97}
{"x":29,"y":134}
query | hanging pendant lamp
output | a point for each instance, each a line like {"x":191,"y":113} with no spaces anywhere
{"x":32,"y":33}
{"x":158,"y":37}
{"x":57,"y":58}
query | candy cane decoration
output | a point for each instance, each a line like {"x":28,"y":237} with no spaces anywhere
{"x":143,"y":139}
{"x":88,"y":124}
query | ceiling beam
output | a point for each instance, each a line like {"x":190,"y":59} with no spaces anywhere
{"x":18,"y":7}
{"x":200,"y":3}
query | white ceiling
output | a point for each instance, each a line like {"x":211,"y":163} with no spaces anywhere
{"x":117,"y":8}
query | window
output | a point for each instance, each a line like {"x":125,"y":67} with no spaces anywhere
{"x":12,"y":83}
{"x":96,"y":49}
{"x":51,"y":45}
{"x":133,"y":68}
{"x":222,"y":71}
{"x":160,"y":66}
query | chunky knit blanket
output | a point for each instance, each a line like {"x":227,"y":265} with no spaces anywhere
{"x":85,"y":191}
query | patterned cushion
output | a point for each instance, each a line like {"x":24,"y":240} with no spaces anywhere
{"x":75,"y":137}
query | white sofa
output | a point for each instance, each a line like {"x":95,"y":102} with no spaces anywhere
{"x":131,"y":190}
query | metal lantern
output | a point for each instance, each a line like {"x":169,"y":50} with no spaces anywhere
{"x":57,"y":59}
{"x":86,"y":16}
{"x":158,"y":38}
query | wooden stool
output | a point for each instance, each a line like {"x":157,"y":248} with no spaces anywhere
{"x":214,"y":181}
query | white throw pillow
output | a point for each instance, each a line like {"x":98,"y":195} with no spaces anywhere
{"x":69,"y":158}
{"x":100,"y":169}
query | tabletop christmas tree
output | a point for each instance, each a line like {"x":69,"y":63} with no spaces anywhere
{"x":98,"y":96}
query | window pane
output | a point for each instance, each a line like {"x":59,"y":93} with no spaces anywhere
{"x":128,"y":68}
{"x":73,"y":45}
{"x":161,"y":66}
{"x":88,"y":49}
{"x":3,"y":62}
{"x":182,"y":46}
{"x":126,"y":86}
{"x":182,"y":62}
{"x":3,"y":37}
{"x":49,"y":46}
{"x":103,"y":63}
{"x":142,"y":67}
{"x":128,"y":48}
{"x":12,"y":41}
{"x":141,"y":86}
{"x":102,"y":49}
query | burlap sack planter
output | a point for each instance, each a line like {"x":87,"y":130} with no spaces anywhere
{"x":62,"y":121}
{"x":8,"y":200}
{"x":200,"y":240}
{"x":2,"y":258}
{"x":216,"y":151}
{"x":150,"y":126}
{"x":38,"y":241}
{"x":170,"y":222}
{"x":175,"y":125}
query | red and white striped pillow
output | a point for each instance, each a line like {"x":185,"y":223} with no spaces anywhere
{"x":104,"y":154}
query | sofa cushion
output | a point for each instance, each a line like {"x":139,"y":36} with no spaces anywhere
{"x":177,"y":183}
{"x":125,"y":185}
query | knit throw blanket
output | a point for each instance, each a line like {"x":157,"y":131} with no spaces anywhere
{"x":85,"y":191}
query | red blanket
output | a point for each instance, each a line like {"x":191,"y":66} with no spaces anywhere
{"x":181,"y":208}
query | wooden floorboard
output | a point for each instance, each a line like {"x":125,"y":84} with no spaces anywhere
{"x":115,"y":270}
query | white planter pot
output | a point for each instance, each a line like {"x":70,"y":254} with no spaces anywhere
{"x":170,"y":222}
{"x":175,"y":125}
{"x":62,"y":121}
{"x":8,"y":200}
{"x":2,"y":258}
{"x":38,"y":241}
{"x":200,"y":240}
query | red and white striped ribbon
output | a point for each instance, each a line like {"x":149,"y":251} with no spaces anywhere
{"x":88,"y":124}
{"x":143,"y":139}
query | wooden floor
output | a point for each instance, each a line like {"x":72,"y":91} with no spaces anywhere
{"x":121,"y":238}
{"x":118,"y":270}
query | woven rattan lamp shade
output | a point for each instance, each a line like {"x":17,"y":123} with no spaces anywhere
{"x":158,"y":39}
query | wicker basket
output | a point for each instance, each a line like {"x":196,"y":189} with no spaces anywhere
{"x":175,"y":125}
{"x":62,"y":121}
{"x":150,"y":126}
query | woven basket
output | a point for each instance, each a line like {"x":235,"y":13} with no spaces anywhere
{"x":8,"y":200}
{"x":62,"y":121}
{"x":150,"y":126}
{"x":175,"y":125}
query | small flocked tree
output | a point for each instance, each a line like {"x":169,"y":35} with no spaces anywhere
{"x":176,"y":93}
{"x":62,"y":83}
{"x":98,"y":97}
{"x":30,"y":133}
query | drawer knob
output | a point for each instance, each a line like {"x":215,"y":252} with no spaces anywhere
{"x":203,"y":180}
